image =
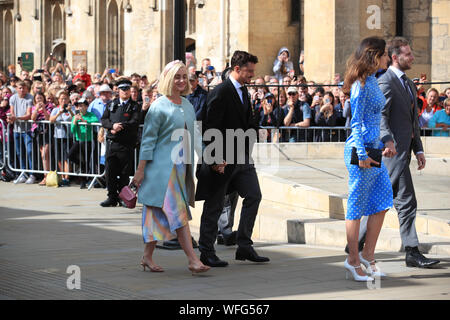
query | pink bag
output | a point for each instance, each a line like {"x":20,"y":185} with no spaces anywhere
{"x":128,"y":196}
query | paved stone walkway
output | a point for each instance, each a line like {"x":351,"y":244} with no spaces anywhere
{"x":43,"y":231}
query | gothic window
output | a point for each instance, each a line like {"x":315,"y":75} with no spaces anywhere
{"x":110,"y":35}
{"x":8,"y":39}
{"x":57,"y":22}
{"x":295,"y":11}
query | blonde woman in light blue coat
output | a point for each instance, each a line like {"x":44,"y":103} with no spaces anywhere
{"x":165,"y":175}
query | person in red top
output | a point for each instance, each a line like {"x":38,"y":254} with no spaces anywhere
{"x":83,"y":75}
{"x":432,"y":100}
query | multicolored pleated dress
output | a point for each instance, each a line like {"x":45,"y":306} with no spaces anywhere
{"x":370,"y":190}
{"x":162,"y":223}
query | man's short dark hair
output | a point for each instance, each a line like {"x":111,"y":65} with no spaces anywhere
{"x":303,"y":86}
{"x":394,"y":46}
{"x":241,"y":58}
{"x":321,"y":90}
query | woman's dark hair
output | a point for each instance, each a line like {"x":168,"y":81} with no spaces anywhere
{"x":39,"y":94}
{"x":319,"y":90}
{"x":329,"y":93}
{"x":241,"y":58}
{"x":363,"y":62}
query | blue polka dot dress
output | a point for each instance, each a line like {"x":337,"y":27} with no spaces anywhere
{"x":370,"y":190}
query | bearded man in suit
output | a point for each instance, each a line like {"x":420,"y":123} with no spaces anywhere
{"x":229,"y":110}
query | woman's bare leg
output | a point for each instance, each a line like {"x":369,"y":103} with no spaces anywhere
{"x":352,"y":228}
{"x":185,"y":239}
{"x":374,"y":225}
{"x":148,"y":257}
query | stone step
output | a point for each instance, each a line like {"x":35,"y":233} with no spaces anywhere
{"x":425,"y":224}
{"x":333,"y":233}
{"x":299,"y":199}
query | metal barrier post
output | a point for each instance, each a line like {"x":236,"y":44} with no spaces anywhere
{"x":3,"y":147}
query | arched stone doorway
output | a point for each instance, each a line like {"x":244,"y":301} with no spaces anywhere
{"x":59,"y":50}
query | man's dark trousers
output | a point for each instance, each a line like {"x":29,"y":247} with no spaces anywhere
{"x":245,"y":181}
{"x":119,"y":161}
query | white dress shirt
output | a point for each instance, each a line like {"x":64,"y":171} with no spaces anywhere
{"x":238,"y":86}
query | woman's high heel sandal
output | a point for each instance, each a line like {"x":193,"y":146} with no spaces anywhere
{"x":199,"y":270}
{"x":368,"y":266}
{"x":352,"y":269}
{"x":152,"y":269}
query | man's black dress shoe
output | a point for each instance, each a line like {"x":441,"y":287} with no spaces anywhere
{"x":249,"y":254}
{"x":227,"y":240}
{"x":212,"y":260}
{"x":174,"y":244}
{"x":415,"y":259}
{"x":109,"y":203}
{"x":220,"y":239}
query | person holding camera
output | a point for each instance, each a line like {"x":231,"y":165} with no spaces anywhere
{"x":271,"y":116}
{"x":282,"y":66}
{"x":63,"y":112}
{"x":296,"y":114}
{"x":80,"y":152}
{"x":41,"y":111}
{"x":208,"y":71}
{"x":326,"y":117}
{"x":21,"y":104}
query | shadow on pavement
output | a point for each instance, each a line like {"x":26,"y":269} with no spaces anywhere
{"x":108,"y":252}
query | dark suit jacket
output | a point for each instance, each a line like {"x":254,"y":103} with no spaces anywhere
{"x":198,"y":100}
{"x":399,"y":123}
{"x":225,"y":111}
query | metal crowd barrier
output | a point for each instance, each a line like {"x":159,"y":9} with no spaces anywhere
{"x":43,"y":146}
{"x":37,"y":151}
{"x":315,"y":134}
{"x":304,"y":134}
{"x":3,"y":144}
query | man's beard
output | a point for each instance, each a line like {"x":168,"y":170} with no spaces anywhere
{"x":403,"y":65}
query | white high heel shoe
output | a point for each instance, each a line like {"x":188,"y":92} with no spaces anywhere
{"x":368,"y":266}
{"x":352,"y":269}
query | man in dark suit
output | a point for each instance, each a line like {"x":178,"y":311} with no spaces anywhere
{"x":229,"y":111}
{"x":400,"y":133}
{"x":197,"y":98}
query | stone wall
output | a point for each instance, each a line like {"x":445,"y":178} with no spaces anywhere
{"x":319,"y":36}
{"x":417,"y":29}
{"x":271,"y":29}
{"x":440,"y":12}
{"x":328,"y":32}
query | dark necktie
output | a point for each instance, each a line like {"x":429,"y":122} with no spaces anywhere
{"x":245,"y":98}
{"x":407,"y":88}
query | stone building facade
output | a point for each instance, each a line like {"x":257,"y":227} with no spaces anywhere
{"x":137,"y":35}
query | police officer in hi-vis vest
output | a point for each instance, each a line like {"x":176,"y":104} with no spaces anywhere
{"x":121,"y":119}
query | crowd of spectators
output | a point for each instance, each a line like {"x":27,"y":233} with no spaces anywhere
{"x":56,"y":93}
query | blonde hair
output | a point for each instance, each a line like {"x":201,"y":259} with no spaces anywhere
{"x":165,"y":85}
{"x":447,"y":102}
{"x":62,"y":92}
{"x":433,"y":90}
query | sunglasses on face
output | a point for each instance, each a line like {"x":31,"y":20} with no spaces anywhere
{"x":292,"y":94}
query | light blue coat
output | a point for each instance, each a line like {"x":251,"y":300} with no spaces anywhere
{"x":159,"y":148}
